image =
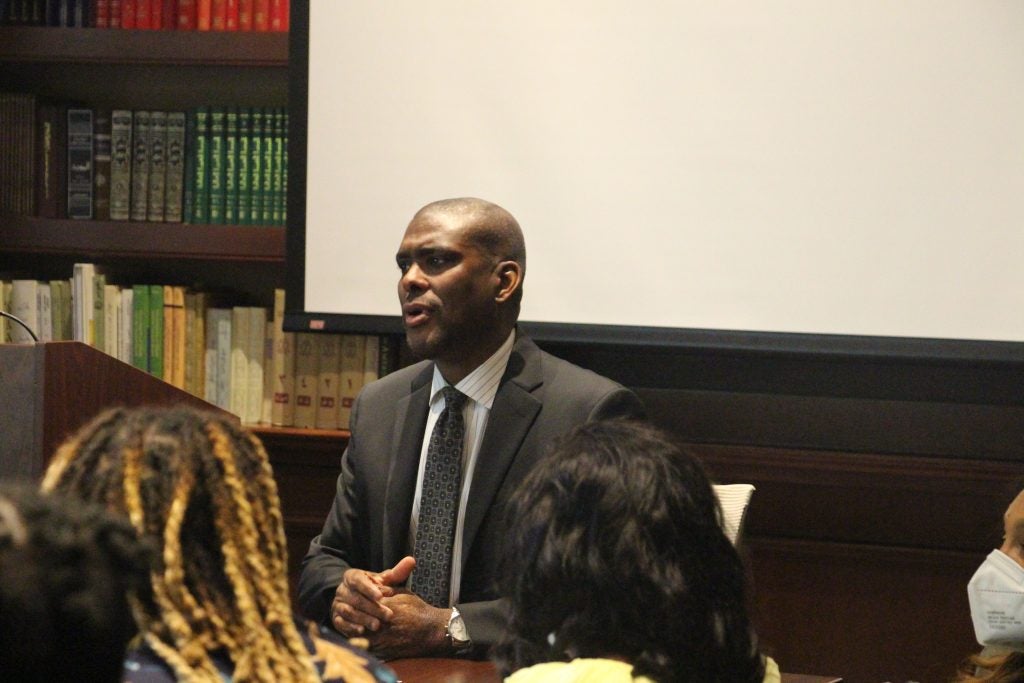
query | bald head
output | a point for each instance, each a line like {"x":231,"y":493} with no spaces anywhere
{"x":491,"y":228}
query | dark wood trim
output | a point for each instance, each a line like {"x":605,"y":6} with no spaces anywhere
{"x":154,"y":241}
{"x":119,"y":46}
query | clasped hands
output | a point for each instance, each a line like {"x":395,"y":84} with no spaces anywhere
{"x":396,"y":622}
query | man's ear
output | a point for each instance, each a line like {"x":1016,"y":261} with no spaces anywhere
{"x":510,"y":278}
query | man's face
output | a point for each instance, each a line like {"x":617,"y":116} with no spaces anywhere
{"x":447,"y":290}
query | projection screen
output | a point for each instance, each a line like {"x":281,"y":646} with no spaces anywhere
{"x":793,"y":174}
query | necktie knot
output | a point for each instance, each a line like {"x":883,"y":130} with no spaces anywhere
{"x":453,"y":398}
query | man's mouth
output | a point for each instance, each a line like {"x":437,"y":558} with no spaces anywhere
{"x":415,"y":314}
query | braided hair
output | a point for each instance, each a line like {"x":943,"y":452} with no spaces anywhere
{"x":201,"y":488}
{"x":69,"y":573}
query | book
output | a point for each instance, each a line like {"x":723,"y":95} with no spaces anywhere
{"x":126,"y":326}
{"x":80,"y":180}
{"x":255,"y":351}
{"x":261,"y":15}
{"x":25,"y":306}
{"x":328,"y":359}
{"x":101,"y":164}
{"x":218,"y":165}
{"x":244,"y":211}
{"x":204,"y":16}
{"x":44,"y":304}
{"x":279,"y":15}
{"x":111,"y":319}
{"x":140,"y":164}
{"x":256,"y":141}
{"x":277,"y":179}
{"x":174,"y":335}
{"x":140,"y":327}
{"x":389,"y":352}
{"x":82,"y":278}
{"x":157,"y":166}
{"x":156,"y":331}
{"x":239,"y":367}
{"x":60,"y":309}
{"x":231,"y":165}
{"x":267,"y":405}
{"x":99,"y":321}
{"x":353,"y":347}
{"x":199,"y":155}
{"x":120,"y":164}
{"x":306,"y":399}
{"x":371,"y":359}
{"x":51,"y":166}
{"x":175,"y":155}
{"x":283,"y":409}
{"x":186,"y":17}
{"x":218,"y":14}
{"x":267,"y":172}
{"x":217,"y":369}
{"x":195,"y":342}
{"x":245,"y":8}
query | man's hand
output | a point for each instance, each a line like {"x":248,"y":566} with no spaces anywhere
{"x":415,"y":629}
{"x":358,"y":607}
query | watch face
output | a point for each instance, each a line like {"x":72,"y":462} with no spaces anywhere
{"x":457,"y":628}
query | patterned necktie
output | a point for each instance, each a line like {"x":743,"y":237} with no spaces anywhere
{"x":439,"y":503}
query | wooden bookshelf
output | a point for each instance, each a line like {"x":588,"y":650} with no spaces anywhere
{"x":33,"y":44}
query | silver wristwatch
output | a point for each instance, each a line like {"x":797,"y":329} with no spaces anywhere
{"x":456,"y":633}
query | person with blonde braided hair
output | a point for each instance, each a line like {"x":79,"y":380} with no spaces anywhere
{"x":201,"y":489}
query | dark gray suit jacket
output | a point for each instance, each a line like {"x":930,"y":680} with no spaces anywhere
{"x":540,"y":397}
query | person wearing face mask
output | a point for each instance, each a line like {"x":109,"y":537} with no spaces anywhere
{"x":996,"y":595}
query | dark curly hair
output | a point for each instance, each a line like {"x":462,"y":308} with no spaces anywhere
{"x":616,"y":549}
{"x":68,"y":573}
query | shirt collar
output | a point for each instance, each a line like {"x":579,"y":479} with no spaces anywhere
{"x":481,"y":384}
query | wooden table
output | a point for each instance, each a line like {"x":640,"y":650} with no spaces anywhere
{"x":465,"y":671}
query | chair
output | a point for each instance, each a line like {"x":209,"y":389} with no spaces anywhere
{"x":734,"y":499}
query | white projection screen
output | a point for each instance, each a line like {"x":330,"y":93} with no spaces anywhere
{"x":849,"y":172}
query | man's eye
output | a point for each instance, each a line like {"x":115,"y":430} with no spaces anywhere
{"x":403,"y":266}
{"x":437,"y":261}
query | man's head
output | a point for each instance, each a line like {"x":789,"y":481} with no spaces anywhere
{"x":462,"y":264}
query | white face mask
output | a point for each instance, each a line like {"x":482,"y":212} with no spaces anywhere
{"x":996,"y":594}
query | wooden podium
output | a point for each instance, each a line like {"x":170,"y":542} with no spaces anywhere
{"x":50,"y":389}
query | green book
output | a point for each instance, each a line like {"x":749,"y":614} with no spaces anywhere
{"x":256,"y":167}
{"x":200,"y":163}
{"x":231,"y":166}
{"x":156,"y":330}
{"x":284,"y":174}
{"x":218,"y":165}
{"x":140,"y":327}
{"x":99,"y":329}
{"x":244,"y":160}
{"x":269,"y":133}
{"x":175,"y":153}
{"x":280,"y":130}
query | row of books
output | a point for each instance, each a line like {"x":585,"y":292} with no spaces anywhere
{"x":208,"y":165}
{"x":236,"y":357}
{"x":166,"y":15}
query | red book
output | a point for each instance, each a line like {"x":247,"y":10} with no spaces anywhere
{"x":204,"y":14}
{"x":218,"y":14}
{"x":169,"y":15}
{"x":115,"y":13}
{"x":102,"y":13}
{"x":128,"y":13}
{"x":156,"y":14}
{"x":261,"y":15}
{"x":142,"y":15}
{"x":231,"y":15}
{"x":186,"y":15}
{"x":245,"y":15}
{"x":278,"y":15}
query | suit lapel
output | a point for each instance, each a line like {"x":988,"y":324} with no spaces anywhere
{"x":410,"y":417}
{"x":512,"y":413}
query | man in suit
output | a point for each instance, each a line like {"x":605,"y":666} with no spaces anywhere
{"x":462,"y":264}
